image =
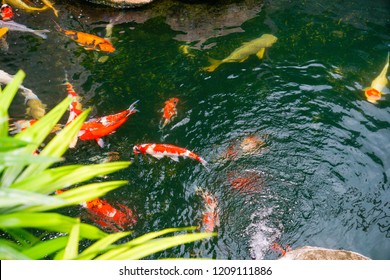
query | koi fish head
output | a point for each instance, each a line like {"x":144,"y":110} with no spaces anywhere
{"x":6,"y":12}
{"x":137,"y":149}
{"x":372,"y":95}
{"x":173,"y":101}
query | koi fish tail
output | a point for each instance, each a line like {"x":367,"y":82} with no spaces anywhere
{"x":41,"y":33}
{"x":132,"y":109}
{"x":58,"y":27}
{"x":214,"y":65}
{"x":203,"y":162}
{"x":166,"y":121}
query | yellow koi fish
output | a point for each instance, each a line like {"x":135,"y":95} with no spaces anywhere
{"x":51,"y":6}
{"x":3,"y":31}
{"x":23,"y":6}
{"x":374,"y":93}
{"x":256,"y":46}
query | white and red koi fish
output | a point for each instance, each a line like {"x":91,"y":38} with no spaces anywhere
{"x":108,"y":216}
{"x":75,"y":108}
{"x":14,"y":26}
{"x":6,"y":12}
{"x":375,"y":91}
{"x":97,"y":128}
{"x":166,"y":150}
{"x":210,"y":215}
{"x":169,"y":111}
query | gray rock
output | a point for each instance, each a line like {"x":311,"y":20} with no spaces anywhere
{"x":122,"y":3}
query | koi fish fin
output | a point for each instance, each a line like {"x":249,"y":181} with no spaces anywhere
{"x":245,"y":58}
{"x":214,"y":65}
{"x":158,"y":156}
{"x":132,"y":109}
{"x":174,"y":157}
{"x":41,"y":33}
{"x":260,"y":53}
{"x":166,"y":121}
{"x":100,"y":142}
{"x":50,"y":5}
{"x":58,"y":27}
{"x":74,"y":142}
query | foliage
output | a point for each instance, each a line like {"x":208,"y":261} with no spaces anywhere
{"x":28,"y":208}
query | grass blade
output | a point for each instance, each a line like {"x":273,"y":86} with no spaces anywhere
{"x":72,"y":248}
{"x":46,"y":248}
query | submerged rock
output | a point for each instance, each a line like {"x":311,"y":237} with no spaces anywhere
{"x":318,"y":253}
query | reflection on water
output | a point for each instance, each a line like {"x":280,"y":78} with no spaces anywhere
{"x":319,"y":171}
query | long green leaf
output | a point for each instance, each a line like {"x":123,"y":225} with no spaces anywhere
{"x":35,"y":134}
{"x":51,"y":180}
{"x":101,"y":245}
{"x":46,"y":248}
{"x":8,"y":252}
{"x":160,"y":244}
{"x":139,"y":240}
{"x":9,"y":143}
{"x":57,"y":146}
{"x":12,"y":159}
{"x":19,"y":199}
{"x":6,"y":97}
{"x":78,"y":195}
{"x":72,"y":248}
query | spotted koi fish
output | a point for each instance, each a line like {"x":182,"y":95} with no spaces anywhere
{"x":75,"y":107}
{"x":173,"y":152}
{"x":6,"y":12}
{"x":169,"y":111}
{"x":210,"y":215}
{"x":97,"y":128}
{"x":88,"y":41}
{"x":374,"y":92}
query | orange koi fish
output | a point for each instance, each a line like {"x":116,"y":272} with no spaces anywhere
{"x":161,"y":150}
{"x":107,"y":216}
{"x":374,"y":93}
{"x":88,"y":41}
{"x":169,"y":111}
{"x":6,"y":12}
{"x":96,"y":128}
{"x":249,"y":181}
{"x":279,"y":249}
{"x":210,"y":216}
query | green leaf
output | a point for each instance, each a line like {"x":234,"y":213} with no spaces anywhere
{"x":53,"y":179}
{"x":160,"y":244}
{"x":12,"y":159}
{"x":101,"y":245}
{"x":9,"y":143}
{"x":72,"y":248}
{"x":57,"y":146}
{"x":6,"y":97}
{"x":46,"y":248}
{"x":75,"y":196}
{"x":36,"y":134}
{"x":8,"y":252}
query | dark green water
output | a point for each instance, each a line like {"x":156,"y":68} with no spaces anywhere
{"x":326,"y":167}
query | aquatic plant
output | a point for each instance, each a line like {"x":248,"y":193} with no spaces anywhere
{"x":30,"y":225}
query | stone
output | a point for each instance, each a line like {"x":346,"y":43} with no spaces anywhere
{"x":122,"y":3}
{"x":318,"y":253}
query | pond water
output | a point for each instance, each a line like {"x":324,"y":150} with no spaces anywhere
{"x":321,"y":175}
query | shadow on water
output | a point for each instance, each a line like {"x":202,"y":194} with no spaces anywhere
{"x":322,"y":176}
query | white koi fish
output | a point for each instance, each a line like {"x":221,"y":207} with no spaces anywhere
{"x":374,"y":93}
{"x":13,"y":26}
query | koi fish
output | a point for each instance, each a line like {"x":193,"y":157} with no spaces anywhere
{"x":210,"y":215}
{"x":75,"y":107}
{"x":279,"y":249}
{"x":6,"y":12}
{"x":107,"y":216}
{"x":374,"y":93}
{"x":21,"y":125}
{"x":23,"y":6}
{"x":50,"y":5}
{"x":3,"y":41}
{"x":173,"y":152}
{"x":169,"y":111}
{"x":256,"y":46}
{"x":248,"y":181}
{"x":88,"y":41}
{"x":13,"y":26}
{"x":96,"y":128}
